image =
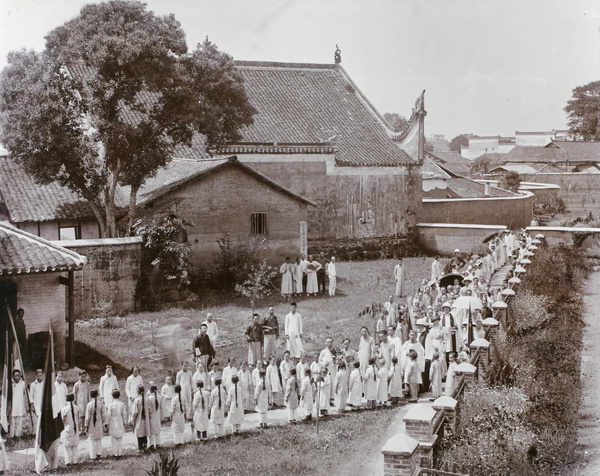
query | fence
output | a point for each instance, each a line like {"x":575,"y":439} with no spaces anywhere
{"x":413,"y":453}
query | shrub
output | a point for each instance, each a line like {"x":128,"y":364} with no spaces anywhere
{"x":258,"y":284}
{"x":167,"y":465}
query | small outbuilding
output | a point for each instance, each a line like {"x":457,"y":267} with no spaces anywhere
{"x":37,"y":276}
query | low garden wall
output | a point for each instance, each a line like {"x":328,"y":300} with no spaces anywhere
{"x":444,"y":238}
{"x":111,"y":276}
{"x":588,"y":238}
{"x":514,"y":212}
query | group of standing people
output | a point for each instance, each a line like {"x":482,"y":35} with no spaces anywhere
{"x":310,"y":276}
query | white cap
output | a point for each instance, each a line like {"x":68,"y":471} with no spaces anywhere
{"x":421,"y":322}
{"x":457,"y":250}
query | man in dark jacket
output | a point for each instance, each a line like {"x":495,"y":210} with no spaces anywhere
{"x":203,"y":348}
{"x":255,"y":338}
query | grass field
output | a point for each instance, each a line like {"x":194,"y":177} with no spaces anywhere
{"x":286,"y":450}
{"x":361,"y":284}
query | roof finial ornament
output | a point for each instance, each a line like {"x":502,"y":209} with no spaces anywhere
{"x":337,"y":56}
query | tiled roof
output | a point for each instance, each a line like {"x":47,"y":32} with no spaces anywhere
{"x":309,"y":104}
{"x":431,"y":171}
{"x":181,"y":171}
{"x":467,"y":188}
{"x":23,"y":253}
{"x":26,"y":200}
{"x":523,"y":153}
{"x":457,"y":186}
{"x":529,"y":169}
{"x":452,"y":161}
{"x":579,"y":151}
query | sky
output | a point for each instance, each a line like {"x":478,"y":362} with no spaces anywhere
{"x":488,"y":67}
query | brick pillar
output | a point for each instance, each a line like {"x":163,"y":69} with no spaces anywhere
{"x":400,"y":456}
{"x":500,"y":310}
{"x":484,"y":356}
{"x":467,"y":371}
{"x":418,"y":423}
{"x":449,"y":406}
{"x":492,"y":324}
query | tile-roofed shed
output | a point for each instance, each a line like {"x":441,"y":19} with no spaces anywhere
{"x":24,"y":253}
{"x":316,"y":103}
{"x":452,"y":161}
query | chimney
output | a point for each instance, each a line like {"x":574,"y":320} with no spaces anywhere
{"x":488,"y":189}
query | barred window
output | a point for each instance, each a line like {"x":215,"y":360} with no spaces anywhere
{"x":258,"y":224}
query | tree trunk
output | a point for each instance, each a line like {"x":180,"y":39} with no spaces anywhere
{"x":132,"y":209}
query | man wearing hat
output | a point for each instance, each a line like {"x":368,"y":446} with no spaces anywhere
{"x":452,"y":331}
{"x":422,"y":332}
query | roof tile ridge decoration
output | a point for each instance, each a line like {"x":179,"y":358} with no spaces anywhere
{"x":282,"y":64}
{"x":278,"y":148}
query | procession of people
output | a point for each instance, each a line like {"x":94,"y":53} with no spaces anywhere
{"x":419,"y":341}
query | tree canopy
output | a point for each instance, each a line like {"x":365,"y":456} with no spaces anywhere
{"x":459,"y":141}
{"x":583,"y":111}
{"x":397,"y":122}
{"x":111,"y":97}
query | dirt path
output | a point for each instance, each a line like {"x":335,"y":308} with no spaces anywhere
{"x":588,"y":436}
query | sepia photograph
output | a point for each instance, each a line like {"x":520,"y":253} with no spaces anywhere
{"x":299,"y":237}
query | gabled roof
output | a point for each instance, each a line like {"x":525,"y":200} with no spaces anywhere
{"x":182,"y":171}
{"x":452,"y":161}
{"x":23,"y":253}
{"x":578,"y":151}
{"x":27,"y":201}
{"x":307,"y":105}
{"x":546,"y":154}
{"x":430,"y":171}
{"x":457,"y":186}
{"x":301,"y":103}
{"x":528,"y":169}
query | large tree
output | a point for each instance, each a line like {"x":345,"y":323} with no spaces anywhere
{"x":583,"y":111}
{"x":458,"y":142}
{"x":397,"y":122}
{"x":111,"y":97}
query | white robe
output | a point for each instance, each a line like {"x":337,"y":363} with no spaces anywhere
{"x":293,"y":330}
{"x":287,"y":271}
{"x":392,"y":313}
{"x":405,"y":359}
{"x":107,"y":385}
{"x":298,"y":274}
{"x":400,"y":278}
{"x":436,"y":270}
{"x":312,"y":285}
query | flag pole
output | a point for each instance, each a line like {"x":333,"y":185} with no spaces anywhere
{"x":14,"y":331}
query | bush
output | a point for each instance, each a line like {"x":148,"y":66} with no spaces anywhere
{"x":167,"y":465}
{"x":492,"y":435}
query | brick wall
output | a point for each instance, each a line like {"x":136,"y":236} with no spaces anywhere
{"x":445,"y":238}
{"x":511,"y":212}
{"x":43,"y":299}
{"x":351,"y":201}
{"x":110,"y":275}
{"x":222,"y":203}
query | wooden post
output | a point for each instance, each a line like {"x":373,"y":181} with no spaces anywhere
{"x":71,"y":301}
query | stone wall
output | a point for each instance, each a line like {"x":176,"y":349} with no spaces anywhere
{"x":111,"y":273}
{"x":355,"y":202}
{"x":588,"y":238}
{"x":445,"y":238}
{"x":513,"y":212}
{"x":580,"y":191}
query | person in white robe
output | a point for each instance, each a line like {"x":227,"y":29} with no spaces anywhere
{"x":327,"y":360}
{"x":413,"y":344}
{"x":69,"y":437}
{"x":287,"y":274}
{"x":391,"y":309}
{"x":355,"y":387}
{"x":212,"y":329}
{"x":436,"y":269}
{"x":298,"y":274}
{"x":400,"y":278}
{"x":366,"y":350}
{"x":108,"y":383}
{"x":312,"y":285}
{"x":131,"y":388}
{"x":332,"y":275}
{"x":293,"y":331}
